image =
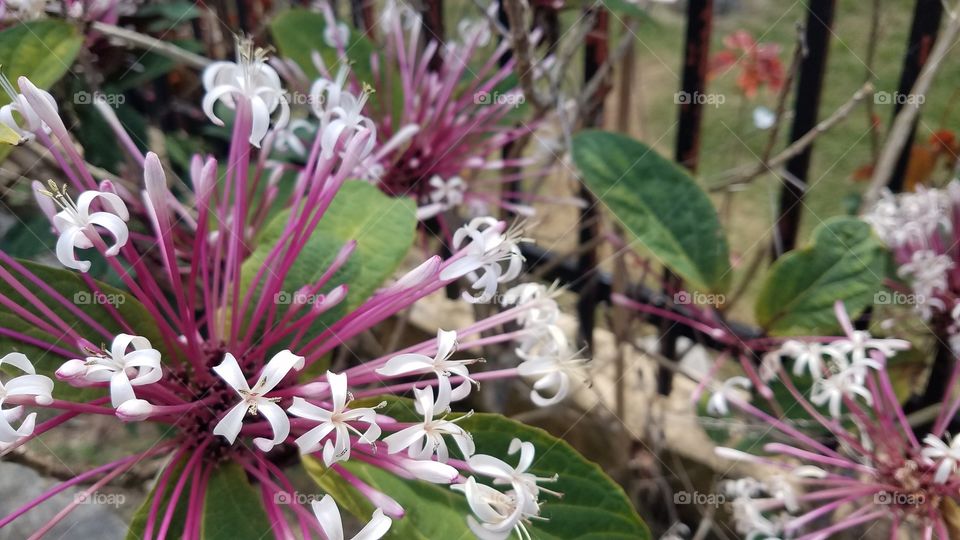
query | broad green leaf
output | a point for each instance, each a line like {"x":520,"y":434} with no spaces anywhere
{"x":299,"y":32}
{"x":592,"y":507}
{"x":383,"y":228}
{"x":233,"y":509}
{"x":844,"y":261}
{"x":40,"y":50}
{"x":658,"y":203}
{"x":69,"y":285}
{"x":138,"y":524}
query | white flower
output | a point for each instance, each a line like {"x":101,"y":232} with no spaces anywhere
{"x":30,"y":384}
{"x":553,"y":374}
{"x":910,"y":217}
{"x":947,"y":455}
{"x":751,"y":522}
{"x":808,"y":356}
{"x":497,"y":514}
{"x":489,"y":246}
{"x":122,"y":369}
{"x":424,"y":440}
{"x":75,"y":220}
{"x":440,"y":364}
{"x":444,"y":196}
{"x":928,"y":274}
{"x":346,"y":118}
{"x":22,"y":10}
{"x":848,"y":382}
{"x":859,"y":342}
{"x":288,"y":140}
{"x":336,"y":35}
{"x":717,"y":404}
{"x":325,"y":94}
{"x":544,"y":309}
{"x":336,"y":421}
{"x":524,"y":483}
{"x":251,"y":78}
{"x":18,"y":104}
{"x":763,"y":118}
{"x":254,"y":400}
{"x":542,"y":341}
{"x":329,"y":517}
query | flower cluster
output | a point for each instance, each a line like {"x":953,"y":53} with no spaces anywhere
{"x":449,"y":133}
{"x":201,"y":348}
{"x":877,"y":470}
{"x":919,"y":228}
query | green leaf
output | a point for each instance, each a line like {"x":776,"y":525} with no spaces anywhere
{"x":233,"y":508}
{"x":41,"y":50}
{"x":658,"y":203}
{"x":298,"y":33}
{"x":138,"y":524}
{"x":844,"y":261}
{"x":592,"y":507}
{"x":72,"y":287}
{"x":383,"y":228}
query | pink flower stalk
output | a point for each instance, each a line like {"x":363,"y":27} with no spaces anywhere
{"x":216,"y":360}
{"x":444,"y":144}
{"x":877,"y":470}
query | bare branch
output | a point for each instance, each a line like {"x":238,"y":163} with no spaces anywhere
{"x":903,"y":124}
{"x":150,"y":44}
{"x":743,"y":175}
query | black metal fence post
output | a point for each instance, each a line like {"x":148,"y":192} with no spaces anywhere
{"x":806,"y":107}
{"x":923,"y":34}
{"x":696,"y":59}
{"x":596,"y":53}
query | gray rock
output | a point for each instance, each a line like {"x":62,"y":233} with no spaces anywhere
{"x":95,"y":519}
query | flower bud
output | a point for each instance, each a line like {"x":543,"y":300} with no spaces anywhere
{"x":134,"y":410}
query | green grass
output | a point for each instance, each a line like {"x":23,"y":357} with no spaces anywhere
{"x":729,"y":138}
